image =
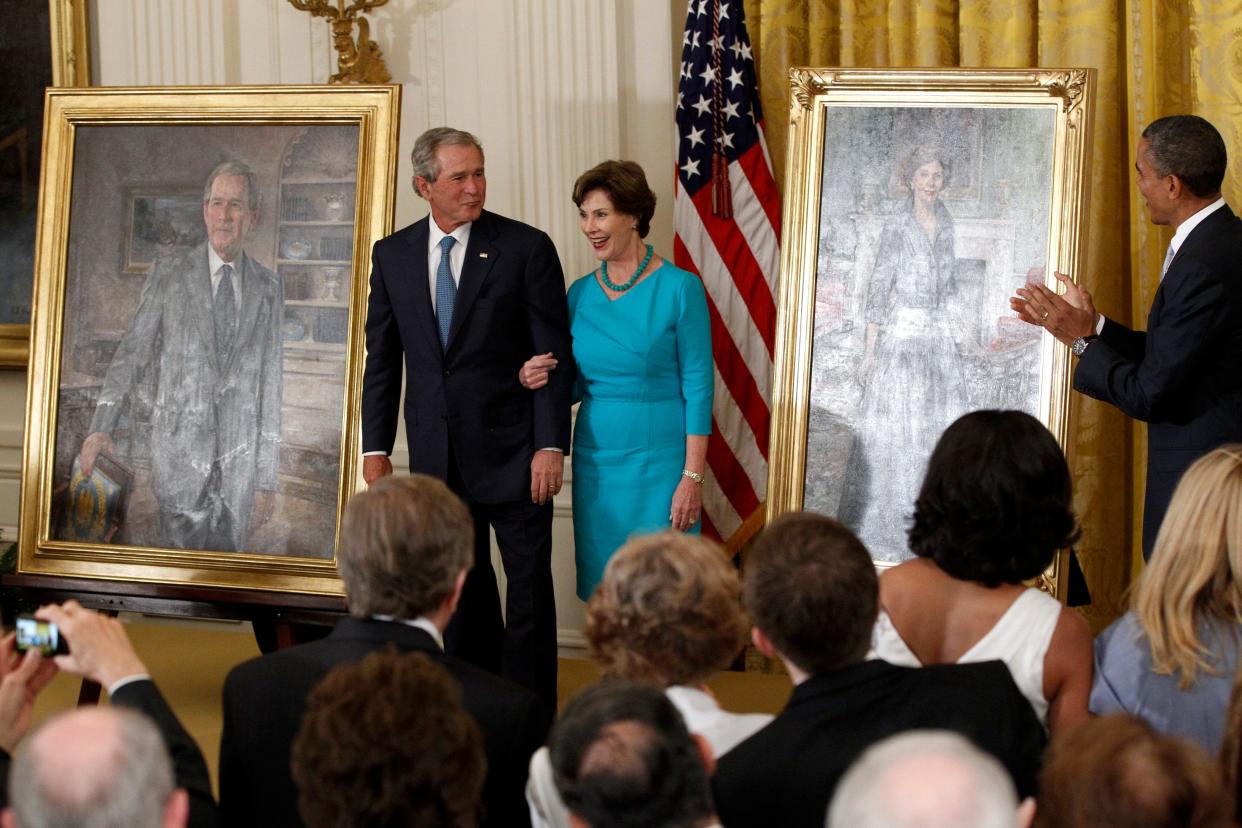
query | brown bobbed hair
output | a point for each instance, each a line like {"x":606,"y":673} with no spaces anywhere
{"x":404,"y":541}
{"x":924,"y":155}
{"x":1117,"y":770}
{"x":667,"y":611}
{"x":811,"y":588}
{"x":625,"y":184}
{"x":386,"y":741}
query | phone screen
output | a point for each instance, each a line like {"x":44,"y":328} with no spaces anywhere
{"x":33,"y":634}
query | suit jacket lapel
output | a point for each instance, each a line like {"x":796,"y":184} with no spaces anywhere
{"x":198,"y":293}
{"x":420,"y":283}
{"x":481,"y":254}
{"x":1202,"y":234}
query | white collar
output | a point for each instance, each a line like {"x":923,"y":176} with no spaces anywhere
{"x":1184,"y":229}
{"x":435,"y":234}
{"x":421,"y":622}
{"x":214,"y":262}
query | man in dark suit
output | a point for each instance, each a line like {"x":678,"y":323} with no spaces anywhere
{"x":406,"y":546}
{"x":812,"y":592}
{"x":1182,"y":375}
{"x":112,"y":762}
{"x":464,"y":297}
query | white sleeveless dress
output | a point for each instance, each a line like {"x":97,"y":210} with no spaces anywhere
{"x":1020,"y":638}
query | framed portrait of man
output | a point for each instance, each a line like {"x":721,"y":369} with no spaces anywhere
{"x":917,"y":202}
{"x":197,"y":336}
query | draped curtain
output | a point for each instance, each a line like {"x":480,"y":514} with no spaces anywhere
{"x":1154,"y":58}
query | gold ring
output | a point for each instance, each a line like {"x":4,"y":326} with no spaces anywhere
{"x":1045,"y":316}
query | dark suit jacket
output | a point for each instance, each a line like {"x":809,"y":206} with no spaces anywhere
{"x":264,"y":699}
{"x":189,"y":766}
{"x":786,"y":773}
{"x":1183,"y":375}
{"x":510,"y":305}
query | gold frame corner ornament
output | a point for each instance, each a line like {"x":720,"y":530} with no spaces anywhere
{"x":374,"y":111}
{"x":815,"y":93}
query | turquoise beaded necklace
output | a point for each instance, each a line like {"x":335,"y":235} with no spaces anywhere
{"x":622,"y":288}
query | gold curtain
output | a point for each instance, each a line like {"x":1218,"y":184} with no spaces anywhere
{"x":1154,"y":58}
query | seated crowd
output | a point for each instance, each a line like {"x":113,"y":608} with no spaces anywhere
{"x":944,"y":692}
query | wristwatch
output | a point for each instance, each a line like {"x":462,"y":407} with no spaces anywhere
{"x":1080,"y":344}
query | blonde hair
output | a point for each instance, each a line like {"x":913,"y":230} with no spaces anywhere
{"x":1196,"y":566}
{"x":668,"y":611}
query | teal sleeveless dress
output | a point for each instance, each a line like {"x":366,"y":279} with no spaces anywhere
{"x":645,"y":380}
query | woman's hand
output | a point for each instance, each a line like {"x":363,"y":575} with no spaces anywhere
{"x":687,"y":504}
{"x":534,"y":373}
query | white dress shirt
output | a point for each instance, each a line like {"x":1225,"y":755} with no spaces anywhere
{"x":457,"y":254}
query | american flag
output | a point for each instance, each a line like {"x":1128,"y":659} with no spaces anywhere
{"x":727,"y":216}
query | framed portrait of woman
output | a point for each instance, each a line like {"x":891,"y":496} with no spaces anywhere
{"x":916,"y":203}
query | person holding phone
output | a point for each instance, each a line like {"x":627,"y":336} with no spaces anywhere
{"x":99,"y":650}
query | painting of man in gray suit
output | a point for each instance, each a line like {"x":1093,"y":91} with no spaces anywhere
{"x":206,"y":341}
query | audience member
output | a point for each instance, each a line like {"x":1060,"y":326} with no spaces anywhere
{"x":95,"y":767}
{"x":405,"y":547}
{"x":668,"y":611}
{"x":622,"y":758}
{"x":993,"y":510}
{"x":1117,"y":771}
{"x":812,"y":592}
{"x":1172,"y":658}
{"x":927,"y":779}
{"x":100,"y":763}
{"x":386,"y":741}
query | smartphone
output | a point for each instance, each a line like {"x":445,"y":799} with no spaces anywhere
{"x":33,"y":634}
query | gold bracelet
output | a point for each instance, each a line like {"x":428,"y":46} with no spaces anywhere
{"x":695,"y":476}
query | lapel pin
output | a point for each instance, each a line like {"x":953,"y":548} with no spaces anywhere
{"x":482,"y":255}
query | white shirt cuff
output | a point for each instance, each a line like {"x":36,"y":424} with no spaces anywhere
{"x":119,"y":683}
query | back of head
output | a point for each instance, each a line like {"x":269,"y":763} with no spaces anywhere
{"x":811,"y":588}
{"x":666,"y":611}
{"x":924,"y":779}
{"x":386,"y":742}
{"x":1190,"y":148}
{"x":1195,"y":570}
{"x":1117,"y":770}
{"x":99,"y":767}
{"x":995,"y":505}
{"x":622,"y":758}
{"x":403,"y":543}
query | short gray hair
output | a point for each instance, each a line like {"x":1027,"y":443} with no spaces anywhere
{"x":924,"y":779}
{"x":125,"y":778}
{"x":239,"y":169}
{"x":403,"y":543}
{"x":426,"y":165}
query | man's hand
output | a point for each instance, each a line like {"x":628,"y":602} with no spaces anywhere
{"x":547,"y":469}
{"x":21,"y":679}
{"x":534,"y":372}
{"x":99,"y":649}
{"x":375,"y":466}
{"x":94,"y":443}
{"x":264,"y":506}
{"x":1066,"y":316}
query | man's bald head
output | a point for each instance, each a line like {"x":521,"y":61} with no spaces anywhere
{"x":94,"y":767}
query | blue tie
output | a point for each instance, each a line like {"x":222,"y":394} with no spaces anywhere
{"x":226,"y":314}
{"x":446,"y":290}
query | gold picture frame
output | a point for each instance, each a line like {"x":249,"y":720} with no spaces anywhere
{"x":853,"y":416}
{"x":68,"y":37}
{"x":214,"y":432}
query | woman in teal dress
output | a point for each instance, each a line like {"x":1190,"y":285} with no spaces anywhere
{"x":642,"y":343}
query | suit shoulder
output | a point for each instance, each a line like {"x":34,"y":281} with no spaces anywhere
{"x":982,"y":678}
{"x":499,"y":690}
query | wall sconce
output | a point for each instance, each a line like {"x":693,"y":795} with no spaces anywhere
{"x":359,"y":62}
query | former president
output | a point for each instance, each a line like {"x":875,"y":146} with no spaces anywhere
{"x":206,"y":340}
{"x":460,"y":299}
{"x":1182,"y":376}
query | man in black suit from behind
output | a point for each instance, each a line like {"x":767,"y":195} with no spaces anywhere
{"x":459,"y":299}
{"x":1181,"y":376}
{"x":813,"y":595}
{"x":406,"y":546}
